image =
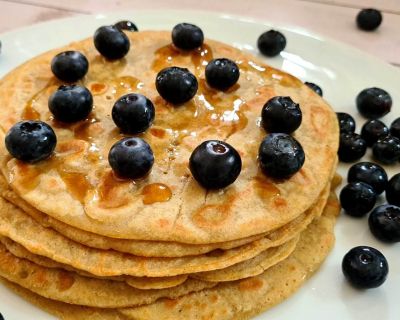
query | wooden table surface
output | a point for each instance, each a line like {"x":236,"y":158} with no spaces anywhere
{"x":332,"y":18}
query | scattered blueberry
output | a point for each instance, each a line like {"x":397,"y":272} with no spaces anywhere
{"x":370,"y":173}
{"x":131,"y":158}
{"x":133,"y":113}
{"x":222,"y":73}
{"x":271,"y":43}
{"x":365,"y":267}
{"x":384,"y":223}
{"x":395,"y":128}
{"x":347,"y":123}
{"x":369,"y":19}
{"x":280,"y":155}
{"x":176,"y":85}
{"x":393,"y":190}
{"x":31,"y":141}
{"x":351,"y":147}
{"x":69,"y":66}
{"x":111,"y":42}
{"x":126,"y":25}
{"x":281,"y":114}
{"x":374,"y":103}
{"x":373,"y":130}
{"x":315,"y":88}
{"x":187,"y":36}
{"x":357,"y":198}
{"x":71,"y":103}
{"x":215,"y":164}
{"x":387,"y":150}
{"x":1,"y":316}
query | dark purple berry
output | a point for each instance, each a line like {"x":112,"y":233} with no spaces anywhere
{"x":215,"y":164}
{"x":271,"y":43}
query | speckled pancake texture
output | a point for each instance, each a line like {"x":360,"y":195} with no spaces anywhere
{"x":76,"y":185}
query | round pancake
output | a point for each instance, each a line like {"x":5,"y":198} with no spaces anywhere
{"x":21,"y":228}
{"x":77,"y":187}
{"x":235,"y":300}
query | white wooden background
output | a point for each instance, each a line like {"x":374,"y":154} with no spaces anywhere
{"x":333,"y":18}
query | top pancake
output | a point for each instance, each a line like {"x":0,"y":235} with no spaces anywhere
{"x":77,"y":187}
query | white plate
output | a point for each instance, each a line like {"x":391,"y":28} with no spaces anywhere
{"x":340,"y":70}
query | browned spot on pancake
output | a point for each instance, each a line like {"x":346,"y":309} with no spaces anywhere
{"x":40,"y":276}
{"x":158,"y":132}
{"x":213,"y":215}
{"x":23,"y":274}
{"x":113,"y":191}
{"x":156,"y":192}
{"x":280,"y":202}
{"x":76,"y":183}
{"x":170,"y":303}
{"x":250,"y":284}
{"x":64,"y":281}
{"x":98,"y":88}
{"x":213,"y":298}
{"x":163,"y":223}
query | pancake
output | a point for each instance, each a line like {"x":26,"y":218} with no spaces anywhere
{"x":144,"y":283}
{"x":233,"y":300}
{"x":21,"y":228}
{"x":76,"y":186}
{"x":72,"y":288}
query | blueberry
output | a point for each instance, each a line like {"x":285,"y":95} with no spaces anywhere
{"x":351,"y":147}
{"x":281,"y":114}
{"x":69,"y":66}
{"x":280,"y":155}
{"x":187,"y":36}
{"x":1,"y":316}
{"x":393,"y":190}
{"x":370,"y":173}
{"x":395,"y":128}
{"x":347,"y":123}
{"x":271,"y":43}
{"x":365,"y":267}
{"x":176,"y":85}
{"x":31,"y":141}
{"x":215,"y":164}
{"x":133,"y":113}
{"x":222,"y":73}
{"x":111,"y":42}
{"x":369,"y":19}
{"x":71,"y":103}
{"x":384,"y":223}
{"x":387,"y":150}
{"x":373,"y":103}
{"x":357,"y":198}
{"x":131,"y":158}
{"x":126,"y":25}
{"x":373,"y":130}
{"x":317,"y":89}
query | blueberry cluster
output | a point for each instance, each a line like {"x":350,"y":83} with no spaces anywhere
{"x":372,"y":103}
{"x":280,"y":155}
{"x":366,"y":267}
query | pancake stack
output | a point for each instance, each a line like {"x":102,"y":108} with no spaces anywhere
{"x":83,"y":244}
